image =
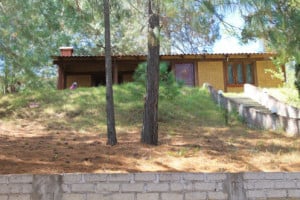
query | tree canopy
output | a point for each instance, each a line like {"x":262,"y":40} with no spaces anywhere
{"x":30,"y":36}
{"x":276,"y":22}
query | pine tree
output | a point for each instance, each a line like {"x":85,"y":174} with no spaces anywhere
{"x":111,"y":130}
{"x":150,"y":121}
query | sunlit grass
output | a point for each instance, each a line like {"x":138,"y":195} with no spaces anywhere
{"x":49,"y":111}
{"x":85,"y":107}
{"x":287,"y":95}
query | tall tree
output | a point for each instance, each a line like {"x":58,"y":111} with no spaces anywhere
{"x":149,"y":133}
{"x":28,"y":38}
{"x":110,"y":113}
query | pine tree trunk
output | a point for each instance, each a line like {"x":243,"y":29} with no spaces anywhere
{"x":111,"y":130}
{"x":150,"y":120}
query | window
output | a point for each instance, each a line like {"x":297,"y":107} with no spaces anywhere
{"x":249,"y":73}
{"x":239,"y":73}
{"x":230,"y":74}
{"x":185,"y":73}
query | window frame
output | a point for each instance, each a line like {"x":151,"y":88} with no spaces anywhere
{"x":235,"y":76}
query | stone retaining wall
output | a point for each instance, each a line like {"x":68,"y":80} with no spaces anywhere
{"x":152,"y":186}
{"x":255,"y":118}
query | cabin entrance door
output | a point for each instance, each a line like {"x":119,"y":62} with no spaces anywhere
{"x":185,"y":72}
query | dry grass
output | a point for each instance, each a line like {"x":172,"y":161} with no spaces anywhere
{"x":28,"y":147}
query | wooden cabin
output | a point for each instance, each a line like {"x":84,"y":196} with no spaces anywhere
{"x":227,"y":72}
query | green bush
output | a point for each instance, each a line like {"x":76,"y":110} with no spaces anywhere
{"x":169,"y":87}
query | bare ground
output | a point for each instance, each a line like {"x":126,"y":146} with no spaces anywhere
{"x":29,"y":147}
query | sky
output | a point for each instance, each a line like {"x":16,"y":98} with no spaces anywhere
{"x":230,"y":44}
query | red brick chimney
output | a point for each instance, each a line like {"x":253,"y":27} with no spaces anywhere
{"x":66,"y":51}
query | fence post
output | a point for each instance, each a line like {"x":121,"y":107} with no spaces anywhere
{"x":221,"y":104}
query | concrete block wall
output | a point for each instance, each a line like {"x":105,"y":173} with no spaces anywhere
{"x":152,"y":186}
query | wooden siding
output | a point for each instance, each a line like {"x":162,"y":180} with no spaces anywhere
{"x":82,"y":80}
{"x":127,"y":77}
{"x":212,"y":73}
{"x":265,"y":79}
{"x":235,"y":89}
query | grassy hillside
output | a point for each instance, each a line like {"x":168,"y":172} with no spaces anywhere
{"x":65,"y":131}
{"x":84,"y":108}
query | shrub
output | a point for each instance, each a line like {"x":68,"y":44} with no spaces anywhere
{"x":169,"y":87}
